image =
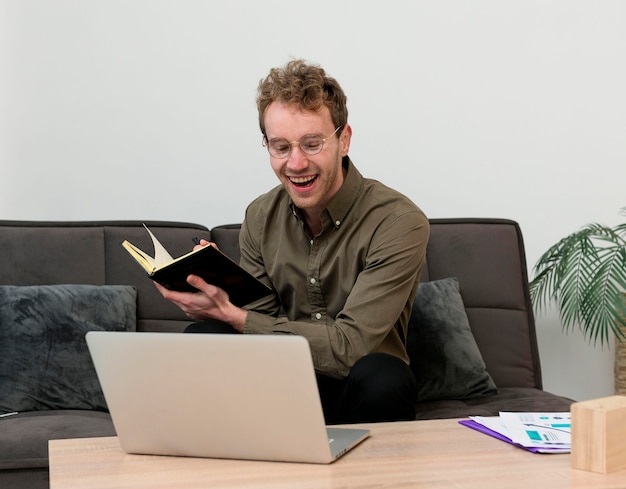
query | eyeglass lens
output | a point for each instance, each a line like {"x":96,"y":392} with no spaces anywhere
{"x":310,"y":145}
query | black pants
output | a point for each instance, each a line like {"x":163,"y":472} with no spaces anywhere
{"x":379,"y":387}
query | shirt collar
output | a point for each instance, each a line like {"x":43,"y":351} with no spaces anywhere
{"x":342,"y":202}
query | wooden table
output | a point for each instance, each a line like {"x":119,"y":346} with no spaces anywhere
{"x":430,"y":454}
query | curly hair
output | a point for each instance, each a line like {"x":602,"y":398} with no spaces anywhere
{"x":305,"y":86}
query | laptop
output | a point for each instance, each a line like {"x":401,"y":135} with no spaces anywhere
{"x":249,"y":397}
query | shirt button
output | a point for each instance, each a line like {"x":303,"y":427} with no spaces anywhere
{"x":318,"y":316}
{"x":311,"y":242}
{"x":312,"y":280}
{"x":337,"y":223}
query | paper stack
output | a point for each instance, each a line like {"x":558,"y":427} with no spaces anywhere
{"x":536,"y":432}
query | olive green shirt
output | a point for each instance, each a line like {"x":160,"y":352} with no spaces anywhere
{"x":350,"y":289}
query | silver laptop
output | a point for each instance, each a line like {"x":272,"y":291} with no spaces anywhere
{"x":248,"y":397}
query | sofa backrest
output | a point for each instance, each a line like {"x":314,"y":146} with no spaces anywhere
{"x":90,"y":252}
{"x":488,"y":258}
{"x":486,"y":255}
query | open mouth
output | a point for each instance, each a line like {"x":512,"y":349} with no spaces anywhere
{"x":303,"y":181}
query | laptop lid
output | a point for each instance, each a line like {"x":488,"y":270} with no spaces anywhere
{"x":222,"y":396}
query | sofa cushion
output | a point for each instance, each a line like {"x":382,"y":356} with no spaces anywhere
{"x":444,"y":356}
{"x":44,"y":360}
{"x":523,"y":399}
{"x":24,"y":437}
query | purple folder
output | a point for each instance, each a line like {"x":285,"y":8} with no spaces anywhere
{"x":470,"y":423}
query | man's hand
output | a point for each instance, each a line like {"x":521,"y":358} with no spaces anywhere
{"x":210,"y":302}
{"x":201,"y":243}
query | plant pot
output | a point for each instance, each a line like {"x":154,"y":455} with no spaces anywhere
{"x":620,"y":368}
{"x":620,"y":365}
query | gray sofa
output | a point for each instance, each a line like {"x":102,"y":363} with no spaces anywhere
{"x":471,"y":340}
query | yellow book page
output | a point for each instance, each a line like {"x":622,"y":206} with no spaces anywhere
{"x":150,"y":264}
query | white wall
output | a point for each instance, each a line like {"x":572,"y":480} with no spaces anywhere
{"x":122,"y":109}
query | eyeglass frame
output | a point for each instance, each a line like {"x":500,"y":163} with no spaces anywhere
{"x":266,"y":143}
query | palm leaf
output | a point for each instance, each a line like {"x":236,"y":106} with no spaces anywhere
{"x":584,"y":274}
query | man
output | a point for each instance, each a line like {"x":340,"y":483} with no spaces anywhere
{"x":342,"y":253}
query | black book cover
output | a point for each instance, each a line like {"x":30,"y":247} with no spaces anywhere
{"x":215,"y":268}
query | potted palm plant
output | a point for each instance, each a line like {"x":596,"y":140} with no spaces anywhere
{"x":584,"y":274}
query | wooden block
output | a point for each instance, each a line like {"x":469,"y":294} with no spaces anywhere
{"x":599,"y":434}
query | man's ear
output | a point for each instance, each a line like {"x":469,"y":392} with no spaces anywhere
{"x":344,"y":139}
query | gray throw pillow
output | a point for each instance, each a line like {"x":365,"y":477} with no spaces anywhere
{"x":444,"y":356}
{"x":44,"y":360}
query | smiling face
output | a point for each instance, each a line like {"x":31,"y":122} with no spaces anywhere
{"x":311,"y":180}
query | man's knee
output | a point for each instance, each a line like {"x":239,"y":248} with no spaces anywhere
{"x":383,"y":387}
{"x":211,"y":326}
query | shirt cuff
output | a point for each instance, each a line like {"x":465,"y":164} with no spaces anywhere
{"x":257,"y":323}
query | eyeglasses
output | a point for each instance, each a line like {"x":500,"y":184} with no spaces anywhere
{"x":311,"y":144}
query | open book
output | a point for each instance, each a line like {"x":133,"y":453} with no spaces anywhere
{"x":207,"y":262}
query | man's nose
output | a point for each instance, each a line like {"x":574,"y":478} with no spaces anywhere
{"x":297,"y":158}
